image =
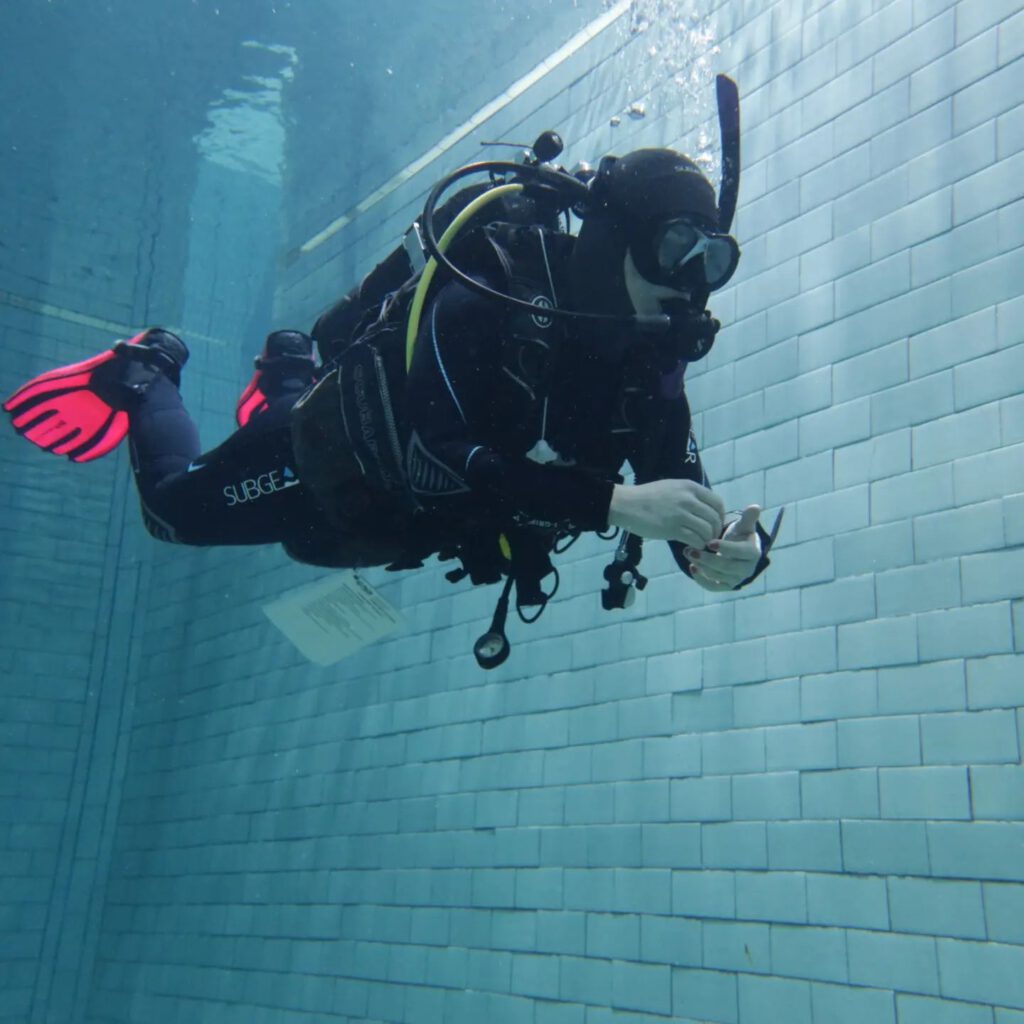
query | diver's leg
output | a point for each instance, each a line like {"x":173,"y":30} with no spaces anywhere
{"x":243,"y":492}
{"x":162,"y":437}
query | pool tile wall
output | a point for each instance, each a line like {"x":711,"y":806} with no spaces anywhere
{"x":98,"y":167}
{"x":798,"y":803}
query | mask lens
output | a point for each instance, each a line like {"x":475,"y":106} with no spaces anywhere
{"x":681,"y":242}
{"x":677,"y":245}
{"x":718,"y":262}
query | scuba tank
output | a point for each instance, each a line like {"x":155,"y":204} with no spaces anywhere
{"x":342,"y":323}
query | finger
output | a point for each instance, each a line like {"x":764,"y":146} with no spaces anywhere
{"x":712,"y":567}
{"x":698,"y":573}
{"x":719,"y":574}
{"x":748,"y":521}
{"x":712,"y":500}
{"x":747,"y":524}
{"x":701,"y":519}
{"x":731,"y":571}
{"x":694,"y":530}
{"x":735,"y":555}
{"x":736,"y":550}
{"x":709,"y":583}
{"x":733,"y":574}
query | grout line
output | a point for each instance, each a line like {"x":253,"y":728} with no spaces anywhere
{"x":97,"y":323}
{"x":484,"y":114}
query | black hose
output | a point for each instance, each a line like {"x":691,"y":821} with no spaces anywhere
{"x":549,"y":178}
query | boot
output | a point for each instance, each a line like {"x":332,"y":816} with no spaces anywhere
{"x":286,"y":365}
{"x":136,"y":364}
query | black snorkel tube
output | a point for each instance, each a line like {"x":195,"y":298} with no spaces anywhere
{"x":728,"y":97}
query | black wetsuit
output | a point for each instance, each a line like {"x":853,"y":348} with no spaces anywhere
{"x":472,"y":412}
{"x":245,"y":491}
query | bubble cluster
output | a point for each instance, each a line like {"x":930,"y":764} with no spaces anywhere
{"x":669,"y":64}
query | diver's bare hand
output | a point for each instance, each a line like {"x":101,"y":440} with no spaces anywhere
{"x":724,"y":564}
{"x":679,"y":510}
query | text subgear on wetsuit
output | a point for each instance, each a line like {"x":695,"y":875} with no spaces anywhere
{"x":254,"y":488}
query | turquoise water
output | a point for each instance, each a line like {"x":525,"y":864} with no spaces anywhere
{"x":802,"y":802}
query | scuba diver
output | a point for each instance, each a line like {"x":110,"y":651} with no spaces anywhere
{"x":476,"y":398}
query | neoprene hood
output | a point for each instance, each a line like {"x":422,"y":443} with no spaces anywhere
{"x":652,"y":185}
{"x":631,"y":196}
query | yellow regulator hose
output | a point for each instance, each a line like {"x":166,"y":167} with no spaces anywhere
{"x":419,"y":297}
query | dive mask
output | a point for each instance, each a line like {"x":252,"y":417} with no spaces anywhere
{"x":677,"y":243}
